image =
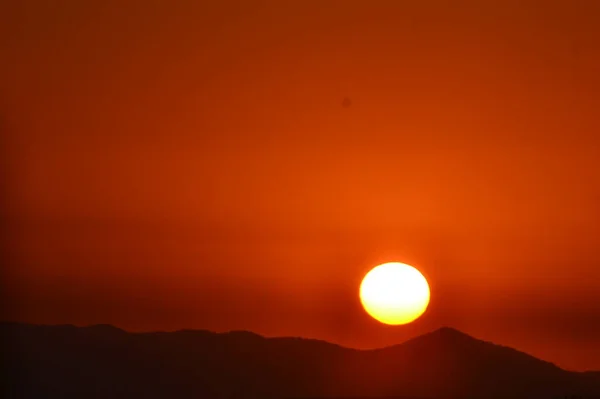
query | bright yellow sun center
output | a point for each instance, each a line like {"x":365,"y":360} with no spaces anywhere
{"x":394,"y":293}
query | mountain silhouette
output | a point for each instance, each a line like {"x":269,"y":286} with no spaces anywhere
{"x":103,"y":361}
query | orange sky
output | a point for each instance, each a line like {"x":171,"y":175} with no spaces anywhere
{"x":175,"y":165}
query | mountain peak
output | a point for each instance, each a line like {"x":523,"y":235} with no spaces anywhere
{"x":108,"y":328}
{"x":445,"y":335}
{"x":444,"y":338}
{"x":243,"y":335}
{"x":450,"y":332}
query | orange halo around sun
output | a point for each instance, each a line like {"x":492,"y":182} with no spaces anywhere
{"x":394,"y":293}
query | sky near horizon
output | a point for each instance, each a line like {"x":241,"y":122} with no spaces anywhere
{"x":183,"y":164}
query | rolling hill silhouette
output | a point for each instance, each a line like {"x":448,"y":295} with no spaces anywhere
{"x":105,"y":362}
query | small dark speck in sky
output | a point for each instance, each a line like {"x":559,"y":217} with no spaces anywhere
{"x":346,"y":102}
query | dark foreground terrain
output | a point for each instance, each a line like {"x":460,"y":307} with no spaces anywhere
{"x":106,"y":362}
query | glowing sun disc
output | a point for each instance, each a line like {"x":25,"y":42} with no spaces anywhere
{"x":394,"y":293}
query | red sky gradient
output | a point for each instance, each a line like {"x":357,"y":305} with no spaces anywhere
{"x":184,"y":164}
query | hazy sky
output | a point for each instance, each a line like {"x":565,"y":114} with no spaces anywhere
{"x":186,"y":164}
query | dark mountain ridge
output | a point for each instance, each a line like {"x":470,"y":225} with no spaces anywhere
{"x":103,"y":361}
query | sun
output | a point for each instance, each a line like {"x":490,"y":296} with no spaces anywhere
{"x":394,"y":293}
